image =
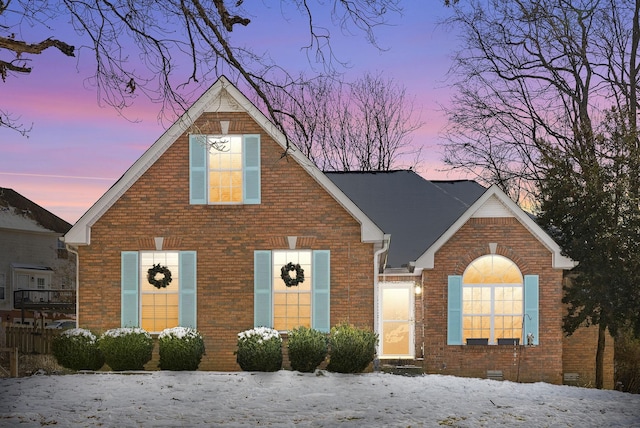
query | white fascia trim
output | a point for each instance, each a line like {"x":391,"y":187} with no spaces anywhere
{"x":80,"y":233}
{"x":558,"y":261}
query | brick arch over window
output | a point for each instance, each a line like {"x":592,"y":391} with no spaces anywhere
{"x":482,"y":250}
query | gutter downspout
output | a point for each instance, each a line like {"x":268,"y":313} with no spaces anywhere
{"x":376,"y":316}
{"x":72,"y":251}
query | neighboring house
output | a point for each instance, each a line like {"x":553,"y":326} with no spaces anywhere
{"x":216,"y":204}
{"x":33,"y":262}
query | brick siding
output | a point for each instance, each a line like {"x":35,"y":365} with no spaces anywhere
{"x":225,"y":237}
{"x":527,"y":364}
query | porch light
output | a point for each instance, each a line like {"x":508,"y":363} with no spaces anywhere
{"x":418,"y":289}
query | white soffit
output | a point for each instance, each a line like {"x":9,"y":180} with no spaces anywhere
{"x":492,"y":208}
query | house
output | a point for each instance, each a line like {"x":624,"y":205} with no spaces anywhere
{"x":203,"y":229}
{"x":37,"y":273}
{"x":487,"y":283}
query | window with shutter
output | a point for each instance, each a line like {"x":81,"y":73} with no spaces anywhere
{"x":224,"y":169}
{"x":492,"y":303}
{"x":283,"y":307}
{"x":157,"y":308}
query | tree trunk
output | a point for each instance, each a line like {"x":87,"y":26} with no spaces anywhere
{"x":602,"y":330}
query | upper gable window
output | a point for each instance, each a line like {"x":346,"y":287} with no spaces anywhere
{"x":224,"y":169}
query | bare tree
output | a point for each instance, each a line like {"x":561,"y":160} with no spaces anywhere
{"x":365,"y":125}
{"x":138,"y":45}
{"x":546,"y":107}
{"x":534,"y":71}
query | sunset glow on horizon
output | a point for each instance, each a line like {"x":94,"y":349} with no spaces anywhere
{"x":76,"y":149}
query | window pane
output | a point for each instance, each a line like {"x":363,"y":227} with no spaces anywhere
{"x":279,"y":299}
{"x":394,"y":304}
{"x":492,"y":286}
{"x":235,"y":161}
{"x":305,"y":311}
{"x":159,"y":306}
{"x":292,"y":299}
{"x":467,"y":308}
{"x":395,"y":340}
{"x":225,"y":170}
{"x":305,"y":298}
{"x":292,"y":305}
{"x":280,"y":311}
{"x":472,"y":276}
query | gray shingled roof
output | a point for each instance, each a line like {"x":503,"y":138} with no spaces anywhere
{"x":415,"y":211}
{"x":26,"y":208}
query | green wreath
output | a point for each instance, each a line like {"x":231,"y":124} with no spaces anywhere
{"x":162,"y":282}
{"x":288,"y":280}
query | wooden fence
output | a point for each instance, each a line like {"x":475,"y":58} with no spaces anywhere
{"x":30,"y":340}
{"x":13,"y":362}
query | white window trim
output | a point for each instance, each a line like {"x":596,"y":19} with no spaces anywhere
{"x":307,"y":274}
{"x":143,"y":277}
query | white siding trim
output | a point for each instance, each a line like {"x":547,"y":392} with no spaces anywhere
{"x":492,"y":208}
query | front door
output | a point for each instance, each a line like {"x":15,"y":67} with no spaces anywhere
{"x":396,"y":324}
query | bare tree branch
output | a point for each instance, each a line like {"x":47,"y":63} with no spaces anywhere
{"x":365,"y":125}
{"x":140,"y":46}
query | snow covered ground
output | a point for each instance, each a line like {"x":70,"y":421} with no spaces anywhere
{"x":287,"y":398}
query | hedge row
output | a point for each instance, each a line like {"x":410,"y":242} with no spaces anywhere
{"x":180,"y":348}
{"x":350,"y":349}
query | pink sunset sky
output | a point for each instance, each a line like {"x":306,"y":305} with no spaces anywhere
{"x":77,"y":149}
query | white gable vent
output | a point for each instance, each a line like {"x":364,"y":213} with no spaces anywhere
{"x":492,"y":208}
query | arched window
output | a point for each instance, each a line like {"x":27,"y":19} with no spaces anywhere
{"x":492,"y":299}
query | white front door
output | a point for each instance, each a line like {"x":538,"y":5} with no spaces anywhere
{"x":397,"y":329}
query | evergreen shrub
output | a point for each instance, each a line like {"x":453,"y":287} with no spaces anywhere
{"x":307,"y":349}
{"x":259,"y":350}
{"x":627,"y":362}
{"x":181,"y":348}
{"x":126,"y":348}
{"x":351,"y":349}
{"x":77,"y":349}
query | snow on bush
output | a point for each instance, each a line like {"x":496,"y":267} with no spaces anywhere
{"x":259,"y":349}
{"x":307,"y":348}
{"x":126,"y":348}
{"x":351,"y":349}
{"x":77,"y":349}
{"x":181,"y":348}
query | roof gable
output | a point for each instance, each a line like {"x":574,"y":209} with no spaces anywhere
{"x":20,"y":213}
{"x":495,"y":203}
{"x":222,"y":96}
{"x":414,"y":211}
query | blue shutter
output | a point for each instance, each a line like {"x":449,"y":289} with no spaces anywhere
{"x":197,"y":169}
{"x":251,"y":169}
{"x":187,"y":313}
{"x":454,"y":311}
{"x":129,"y":296}
{"x":262,"y":279}
{"x":531,"y":311}
{"x":321,"y":283}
